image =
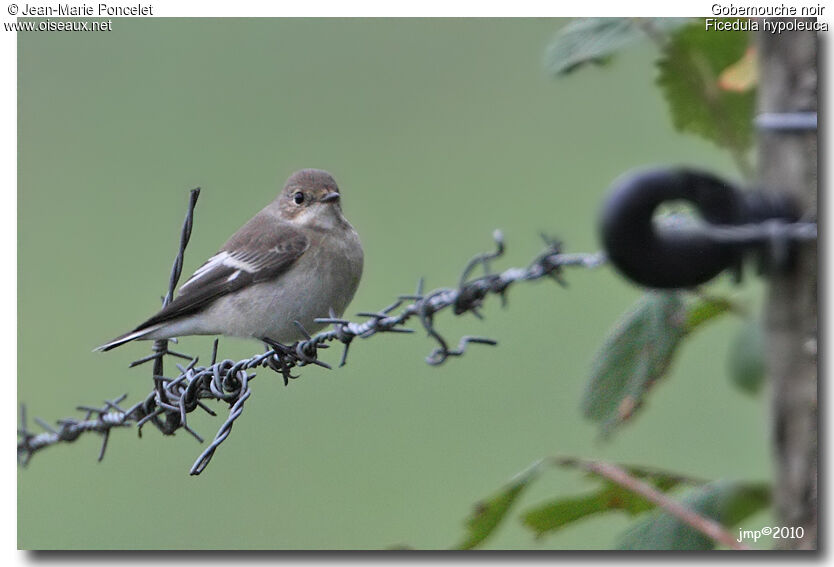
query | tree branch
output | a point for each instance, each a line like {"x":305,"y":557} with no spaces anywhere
{"x":620,"y":476}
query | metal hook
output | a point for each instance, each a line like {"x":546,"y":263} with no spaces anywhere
{"x":668,"y":257}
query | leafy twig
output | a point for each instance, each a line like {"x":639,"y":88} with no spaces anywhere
{"x":619,"y":476}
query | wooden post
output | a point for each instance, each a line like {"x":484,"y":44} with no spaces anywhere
{"x":788,"y":161}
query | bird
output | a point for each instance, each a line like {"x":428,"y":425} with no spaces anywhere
{"x":297,"y":259}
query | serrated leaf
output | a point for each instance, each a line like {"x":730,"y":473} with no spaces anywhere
{"x":746,"y":359}
{"x":742,"y":75}
{"x":689,"y":69}
{"x":489,"y":513}
{"x":639,"y":350}
{"x":594,"y":40}
{"x":635,"y":354}
{"x":726,"y":502}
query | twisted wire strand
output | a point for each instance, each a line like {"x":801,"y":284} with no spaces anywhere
{"x":771,"y":242}
{"x":167,"y":405}
{"x":768,"y":233}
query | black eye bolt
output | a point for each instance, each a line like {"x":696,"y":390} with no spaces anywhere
{"x":654,"y":257}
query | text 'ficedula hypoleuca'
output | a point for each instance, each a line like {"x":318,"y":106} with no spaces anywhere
{"x":294,"y":261}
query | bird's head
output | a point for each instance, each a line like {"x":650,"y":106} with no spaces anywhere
{"x":310,"y":196}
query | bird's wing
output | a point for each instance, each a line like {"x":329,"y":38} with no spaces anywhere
{"x":260,"y":251}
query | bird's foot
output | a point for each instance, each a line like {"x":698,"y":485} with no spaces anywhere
{"x":281,"y":362}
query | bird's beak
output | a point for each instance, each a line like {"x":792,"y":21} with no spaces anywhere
{"x":330,"y":197}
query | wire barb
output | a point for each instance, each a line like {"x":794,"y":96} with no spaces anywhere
{"x":168,"y":404}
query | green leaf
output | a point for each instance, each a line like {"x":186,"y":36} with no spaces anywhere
{"x":635,"y":354}
{"x":726,"y":502}
{"x":639,"y":351}
{"x":690,"y":67}
{"x":561,"y":512}
{"x":595,"y":40}
{"x":489,"y":513}
{"x":746,"y":362}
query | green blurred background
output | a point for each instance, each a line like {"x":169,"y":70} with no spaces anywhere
{"x":438,"y":131}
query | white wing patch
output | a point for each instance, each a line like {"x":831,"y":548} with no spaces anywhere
{"x":262,"y":250}
{"x":225,"y":260}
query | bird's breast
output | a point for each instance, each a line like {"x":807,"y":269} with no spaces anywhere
{"x":325,"y":277}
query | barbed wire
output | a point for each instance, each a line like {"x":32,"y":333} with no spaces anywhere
{"x":172,"y":399}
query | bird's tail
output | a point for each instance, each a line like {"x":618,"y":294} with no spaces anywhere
{"x":126,"y":338}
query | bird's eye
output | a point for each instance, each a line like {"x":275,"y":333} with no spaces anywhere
{"x":298,"y":198}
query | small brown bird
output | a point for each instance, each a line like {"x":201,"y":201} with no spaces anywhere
{"x":294,"y":261}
